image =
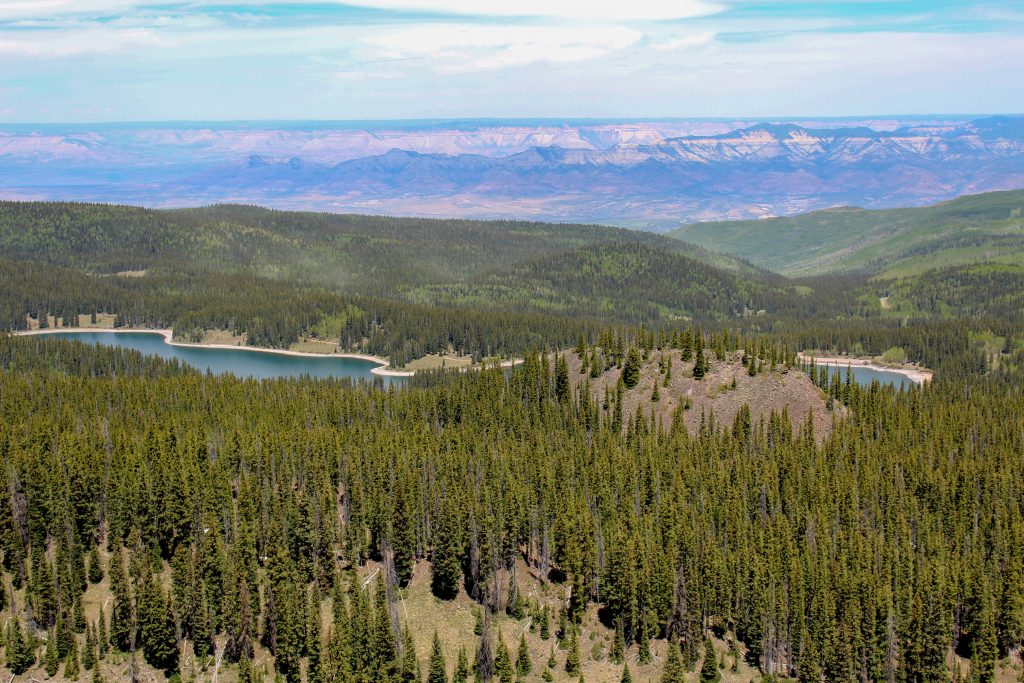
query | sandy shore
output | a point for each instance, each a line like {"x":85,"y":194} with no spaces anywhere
{"x":382,"y":368}
{"x":914,"y":372}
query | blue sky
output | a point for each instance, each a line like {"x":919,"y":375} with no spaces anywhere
{"x":131,"y":60}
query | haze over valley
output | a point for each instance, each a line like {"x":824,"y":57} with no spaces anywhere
{"x":654,"y":174}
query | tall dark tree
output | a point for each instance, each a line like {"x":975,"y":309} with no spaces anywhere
{"x":437,"y":672}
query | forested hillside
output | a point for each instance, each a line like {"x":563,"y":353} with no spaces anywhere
{"x":158,"y":522}
{"x":889,"y":243}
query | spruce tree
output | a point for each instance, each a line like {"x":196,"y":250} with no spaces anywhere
{"x":403,"y":537}
{"x":122,"y":627}
{"x":156,"y":625}
{"x":562,"y":386}
{"x":446,"y":554}
{"x":626,"y":676}
{"x":461,"y":667}
{"x":437,"y":673}
{"x":71,"y":667}
{"x":503,"y":663}
{"x":674,"y":672}
{"x":709,"y":672}
{"x":89,"y":651}
{"x":700,"y":362}
{"x":51,"y":658}
{"x":95,"y":567}
{"x":523,"y":662}
{"x":20,"y":648}
{"x":572,"y":660}
{"x":485,"y":664}
{"x":631,"y":369}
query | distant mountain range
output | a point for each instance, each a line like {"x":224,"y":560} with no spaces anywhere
{"x":648,"y":174}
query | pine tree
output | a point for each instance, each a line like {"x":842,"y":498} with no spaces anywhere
{"x":523,"y":662}
{"x":984,"y":644}
{"x":21,"y":648}
{"x":446,"y":554}
{"x":461,"y":667}
{"x":122,"y":627}
{"x":95,"y":568}
{"x":403,"y":538}
{"x":437,"y":672}
{"x":545,"y":623}
{"x":71,"y":667}
{"x":709,"y":672}
{"x":618,"y":653}
{"x":89,"y":651}
{"x":700,"y":363}
{"x":410,"y":667}
{"x":51,"y":657}
{"x":503,"y":663}
{"x":572,"y":661}
{"x":674,"y":672}
{"x":101,"y":636}
{"x":314,"y":645}
{"x":485,"y":664}
{"x":562,"y":386}
{"x":156,"y":625}
{"x":626,"y":676}
{"x":631,"y":369}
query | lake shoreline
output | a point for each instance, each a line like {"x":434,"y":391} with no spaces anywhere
{"x":913,"y":372}
{"x":382,"y":368}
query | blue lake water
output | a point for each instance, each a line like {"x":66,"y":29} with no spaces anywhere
{"x":865,"y":376}
{"x":240,"y":362}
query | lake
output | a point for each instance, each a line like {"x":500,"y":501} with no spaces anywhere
{"x":865,"y":376}
{"x":240,"y":361}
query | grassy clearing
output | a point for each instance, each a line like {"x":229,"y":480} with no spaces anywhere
{"x":434,"y":362}
{"x":315,"y":346}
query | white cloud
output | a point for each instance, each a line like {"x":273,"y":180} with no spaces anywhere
{"x":456,"y":48}
{"x":614,"y":10}
{"x":676,"y":42}
{"x":69,"y":43}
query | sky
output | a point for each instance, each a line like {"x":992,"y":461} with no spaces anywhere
{"x":140,"y":60}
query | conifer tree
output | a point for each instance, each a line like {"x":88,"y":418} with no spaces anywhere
{"x":95,"y":567}
{"x":403,"y":537}
{"x":437,"y":673}
{"x":410,"y":667}
{"x":89,"y":651}
{"x":572,"y":660}
{"x":523,"y":662}
{"x":51,"y":657}
{"x":631,"y":369}
{"x":674,"y":672}
{"x":446,"y":554}
{"x":156,"y":624}
{"x":122,"y":627}
{"x":700,"y":363}
{"x":314,"y":668}
{"x":101,"y":636}
{"x":626,"y":676}
{"x":984,"y":643}
{"x":709,"y":672}
{"x":503,"y":662}
{"x":485,"y":663}
{"x":562,"y":386}
{"x":461,"y":667}
{"x":20,"y":648}
{"x":71,"y":667}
